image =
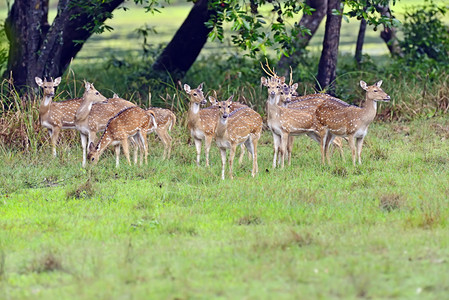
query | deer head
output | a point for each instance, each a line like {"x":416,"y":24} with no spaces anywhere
{"x":92,"y":95}
{"x":287,"y":93}
{"x":94,"y":154}
{"x":196,"y":95}
{"x":225,"y":108}
{"x":374,"y":92}
{"x":48,"y":86}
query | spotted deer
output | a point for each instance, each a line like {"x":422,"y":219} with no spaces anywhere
{"x":309,"y":104}
{"x":94,"y":113}
{"x":130,"y":122}
{"x":201,"y":122}
{"x":340,"y":119}
{"x":242,"y":125}
{"x":282,"y":121}
{"x":55,"y":115}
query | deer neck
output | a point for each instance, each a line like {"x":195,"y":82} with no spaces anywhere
{"x":273,"y":110}
{"x":369,"y":109}
{"x":222,"y":126}
{"x":44,"y":108}
{"x":193,"y":115}
{"x":104,"y":142}
{"x":82,"y":114}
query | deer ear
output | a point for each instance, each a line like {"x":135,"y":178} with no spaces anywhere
{"x":86,"y":85}
{"x":91,"y":147}
{"x":57,"y":81}
{"x":200,"y":87}
{"x":38,"y":81}
{"x":282,"y":79}
{"x":115,"y":96}
{"x":230,"y":99}
{"x":295,"y":86}
{"x":263,"y":81}
{"x":187,"y":88}
{"x":379,"y":83}
{"x":363,"y":85}
{"x":212,"y":100}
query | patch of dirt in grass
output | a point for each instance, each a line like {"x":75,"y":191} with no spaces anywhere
{"x":249,"y":220}
{"x":390,"y":202}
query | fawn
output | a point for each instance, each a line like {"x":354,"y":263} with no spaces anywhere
{"x":55,"y":115}
{"x":341,"y":119}
{"x":130,"y":122}
{"x":243,"y":125}
{"x":94,"y":113}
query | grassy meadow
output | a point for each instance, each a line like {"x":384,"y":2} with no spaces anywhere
{"x":173,"y":230}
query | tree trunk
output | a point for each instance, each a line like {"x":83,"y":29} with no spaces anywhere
{"x":327,"y":66}
{"x":38,"y":49}
{"x":360,"y":41}
{"x":182,"y":51}
{"x":311,"y":22}
{"x":389,"y":34}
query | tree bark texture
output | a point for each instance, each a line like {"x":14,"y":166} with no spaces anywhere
{"x":40,"y":49}
{"x":311,"y":22}
{"x":389,"y":34}
{"x":360,"y":41}
{"x":327,"y":66}
{"x":182,"y":51}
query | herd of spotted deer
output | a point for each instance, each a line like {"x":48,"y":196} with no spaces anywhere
{"x":325,"y":119}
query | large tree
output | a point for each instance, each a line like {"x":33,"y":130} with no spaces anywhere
{"x":40,"y":49}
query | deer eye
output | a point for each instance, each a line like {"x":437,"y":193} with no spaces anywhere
{"x":96,"y":93}
{"x":375,"y":91}
{"x":195,"y":94}
{"x":93,"y":158}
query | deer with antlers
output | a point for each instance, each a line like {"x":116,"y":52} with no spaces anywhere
{"x":55,"y":115}
{"x":241,"y":126}
{"x":130,"y":122}
{"x":94,"y":113}
{"x":341,"y":119}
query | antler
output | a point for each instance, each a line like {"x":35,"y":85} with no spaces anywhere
{"x":271,"y":72}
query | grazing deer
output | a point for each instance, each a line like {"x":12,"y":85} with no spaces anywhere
{"x":94,"y":113}
{"x":341,"y":119}
{"x":243,"y":125}
{"x":201,"y":122}
{"x":165,"y":120}
{"x":55,"y":115}
{"x":130,"y":122}
{"x":309,"y":104}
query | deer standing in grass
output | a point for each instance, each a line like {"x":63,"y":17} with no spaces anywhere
{"x":341,"y":119}
{"x":56,"y":115}
{"x":243,"y":125}
{"x":130,"y":122}
{"x":201,"y":122}
{"x":283,"y":121}
{"x":309,"y":104}
{"x":94,"y":113}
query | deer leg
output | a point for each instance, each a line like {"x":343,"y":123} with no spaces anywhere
{"x":289,"y":149}
{"x":284,"y":141}
{"x":198,"y":150}
{"x":162,"y":137}
{"x":169,"y":143}
{"x":276,"y":144}
{"x":231,"y":160}
{"x":255,"y":142}
{"x":352,"y":146}
{"x":223,"y":162}
{"x":84,"y":147}
{"x":323,"y":134}
{"x":54,"y":134}
{"x":359,"y":149}
{"x":242,"y":153}
{"x":208,"y":143}
{"x":329,"y":140}
{"x":117,"y":155}
{"x":126,"y":150}
{"x":144,"y":141}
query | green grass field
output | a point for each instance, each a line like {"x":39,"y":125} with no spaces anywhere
{"x":172,"y":230}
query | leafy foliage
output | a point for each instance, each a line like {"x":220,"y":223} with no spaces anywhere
{"x":426,"y":37}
